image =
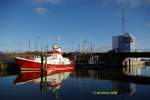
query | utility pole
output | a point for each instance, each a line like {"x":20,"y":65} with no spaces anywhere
{"x":79,"y":48}
{"x":84,"y":46}
{"x":72,"y":44}
{"x":91,"y":48}
{"x":29,"y":45}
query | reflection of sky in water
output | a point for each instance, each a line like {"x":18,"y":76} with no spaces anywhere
{"x":145,"y":71}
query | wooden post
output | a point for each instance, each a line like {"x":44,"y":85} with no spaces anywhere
{"x":42,"y":61}
{"x":41,"y":82}
{"x":45,"y":56}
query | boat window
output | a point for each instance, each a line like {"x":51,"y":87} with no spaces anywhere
{"x":54,"y":55}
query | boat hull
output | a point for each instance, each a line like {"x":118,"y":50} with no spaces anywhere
{"x":26,"y":64}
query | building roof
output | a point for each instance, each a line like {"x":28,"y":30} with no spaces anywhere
{"x":128,"y":35}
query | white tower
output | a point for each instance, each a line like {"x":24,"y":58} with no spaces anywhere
{"x":123,"y":43}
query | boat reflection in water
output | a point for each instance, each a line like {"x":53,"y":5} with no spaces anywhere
{"x":46,"y":79}
{"x":81,"y":84}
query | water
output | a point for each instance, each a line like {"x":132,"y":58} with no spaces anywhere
{"x":109,"y":83}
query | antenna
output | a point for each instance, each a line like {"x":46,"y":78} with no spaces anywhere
{"x":123,"y":19}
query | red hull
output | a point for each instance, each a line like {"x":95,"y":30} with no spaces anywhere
{"x":26,"y":64}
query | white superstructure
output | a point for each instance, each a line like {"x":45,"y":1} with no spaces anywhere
{"x":55,"y":57}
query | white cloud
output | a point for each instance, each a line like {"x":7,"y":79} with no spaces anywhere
{"x":48,"y":1}
{"x":41,"y":10}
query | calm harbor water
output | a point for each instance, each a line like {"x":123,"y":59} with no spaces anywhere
{"x":126,"y":83}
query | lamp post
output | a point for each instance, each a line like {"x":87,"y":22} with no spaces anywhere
{"x":84,"y":45}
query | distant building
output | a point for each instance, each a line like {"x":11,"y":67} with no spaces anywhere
{"x":123,"y":43}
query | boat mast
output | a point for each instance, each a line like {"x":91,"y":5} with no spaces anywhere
{"x":58,"y":40}
{"x":36,"y":45}
{"x":91,"y":48}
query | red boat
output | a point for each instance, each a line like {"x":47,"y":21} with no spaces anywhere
{"x":54,"y":61}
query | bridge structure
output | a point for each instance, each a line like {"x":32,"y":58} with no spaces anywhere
{"x":109,"y":58}
{"x":113,"y":59}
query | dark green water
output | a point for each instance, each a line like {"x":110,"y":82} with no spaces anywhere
{"x":106,"y":84}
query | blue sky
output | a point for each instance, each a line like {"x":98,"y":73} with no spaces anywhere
{"x":73,"y":21}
